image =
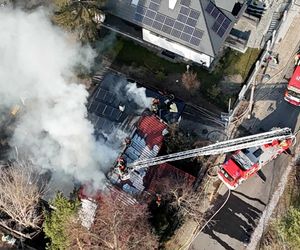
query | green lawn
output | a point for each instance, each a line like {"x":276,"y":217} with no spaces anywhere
{"x":133,"y":53}
{"x":128,"y":53}
{"x":238,"y":63}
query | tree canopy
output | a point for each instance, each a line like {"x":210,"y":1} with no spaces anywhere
{"x":79,"y":17}
{"x":289,"y":227}
{"x":57,"y":220}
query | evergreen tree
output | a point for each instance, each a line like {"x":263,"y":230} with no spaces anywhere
{"x":57,"y":220}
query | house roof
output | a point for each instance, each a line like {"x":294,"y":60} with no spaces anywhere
{"x":147,"y":139}
{"x":146,"y":142}
{"x":111,"y":93}
{"x":201,"y":25}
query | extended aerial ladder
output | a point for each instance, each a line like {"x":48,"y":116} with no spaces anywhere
{"x":218,"y":148}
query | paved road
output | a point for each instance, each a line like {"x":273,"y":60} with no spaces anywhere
{"x":245,"y":205}
{"x":242,"y":211}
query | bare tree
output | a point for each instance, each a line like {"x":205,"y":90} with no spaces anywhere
{"x":181,"y":196}
{"x":190,"y":81}
{"x":21,"y":188}
{"x":117,"y":226}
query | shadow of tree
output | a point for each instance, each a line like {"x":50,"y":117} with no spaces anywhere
{"x":236,"y":219}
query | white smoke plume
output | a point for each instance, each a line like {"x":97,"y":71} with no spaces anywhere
{"x":37,"y":61}
{"x":138,"y":95}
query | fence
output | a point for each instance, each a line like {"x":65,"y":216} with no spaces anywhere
{"x":252,"y":78}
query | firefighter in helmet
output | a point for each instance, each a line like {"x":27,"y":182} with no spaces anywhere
{"x":155,"y":105}
{"x":158,"y":199}
{"x":127,"y":141}
{"x":121,"y":165}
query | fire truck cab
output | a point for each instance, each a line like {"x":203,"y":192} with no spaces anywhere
{"x":292,"y":94}
{"x":246,"y":162}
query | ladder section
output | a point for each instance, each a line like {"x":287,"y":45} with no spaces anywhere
{"x":218,"y":148}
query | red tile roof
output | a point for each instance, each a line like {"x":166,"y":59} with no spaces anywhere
{"x":151,"y":128}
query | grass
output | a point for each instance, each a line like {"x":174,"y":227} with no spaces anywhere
{"x":132,"y":53}
{"x":129,"y":53}
{"x":238,"y":63}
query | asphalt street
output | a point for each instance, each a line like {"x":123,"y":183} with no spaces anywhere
{"x":231,"y":227}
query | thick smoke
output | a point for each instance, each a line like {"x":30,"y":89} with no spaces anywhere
{"x":36,"y":65}
{"x":138,"y":95}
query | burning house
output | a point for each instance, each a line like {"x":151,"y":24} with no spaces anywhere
{"x":135,"y":119}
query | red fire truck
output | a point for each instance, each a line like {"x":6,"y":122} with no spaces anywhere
{"x":248,"y":161}
{"x":292,"y":94}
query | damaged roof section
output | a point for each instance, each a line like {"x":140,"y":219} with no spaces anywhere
{"x":117,"y":104}
{"x":147,"y":139}
{"x":146,"y":142}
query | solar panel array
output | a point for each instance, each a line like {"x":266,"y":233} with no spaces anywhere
{"x":101,"y":106}
{"x":221,"y":23}
{"x":184,"y":27}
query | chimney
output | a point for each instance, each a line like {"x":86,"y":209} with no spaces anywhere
{"x":172,"y":4}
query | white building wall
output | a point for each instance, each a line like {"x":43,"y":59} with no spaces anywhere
{"x":176,"y":48}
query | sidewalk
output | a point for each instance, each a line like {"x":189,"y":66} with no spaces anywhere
{"x":269,"y":95}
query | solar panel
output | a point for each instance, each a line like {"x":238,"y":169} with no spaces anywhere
{"x":157,"y":25}
{"x":226,"y":23}
{"x":141,"y":10}
{"x":93,"y":107}
{"x":160,"y":17}
{"x":220,"y":18}
{"x":100,"y":109}
{"x":209,"y":7}
{"x":184,"y":10}
{"x":179,"y":25}
{"x":169,"y":21}
{"x":215,"y":13}
{"x":100,"y":123}
{"x":153,"y":6}
{"x":151,"y":14}
{"x":116,"y":114}
{"x":166,"y":29}
{"x":138,"y":17}
{"x":185,"y":37}
{"x":108,"y":111}
{"x":195,"y":41}
{"x":198,"y":33}
{"x":176,"y":33}
{"x":221,"y":21}
{"x":192,"y":22}
{"x":194,"y":14}
{"x":215,"y":27}
{"x":109,"y":98}
{"x":188,"y":29}
{"x":221,"y":31}
{"x":185,"y":2}
{"x":182,"y":18}
{"x":147,"y":21}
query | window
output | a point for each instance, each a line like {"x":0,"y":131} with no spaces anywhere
{"x":227,"y":176}
{"x":257,"y":153}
